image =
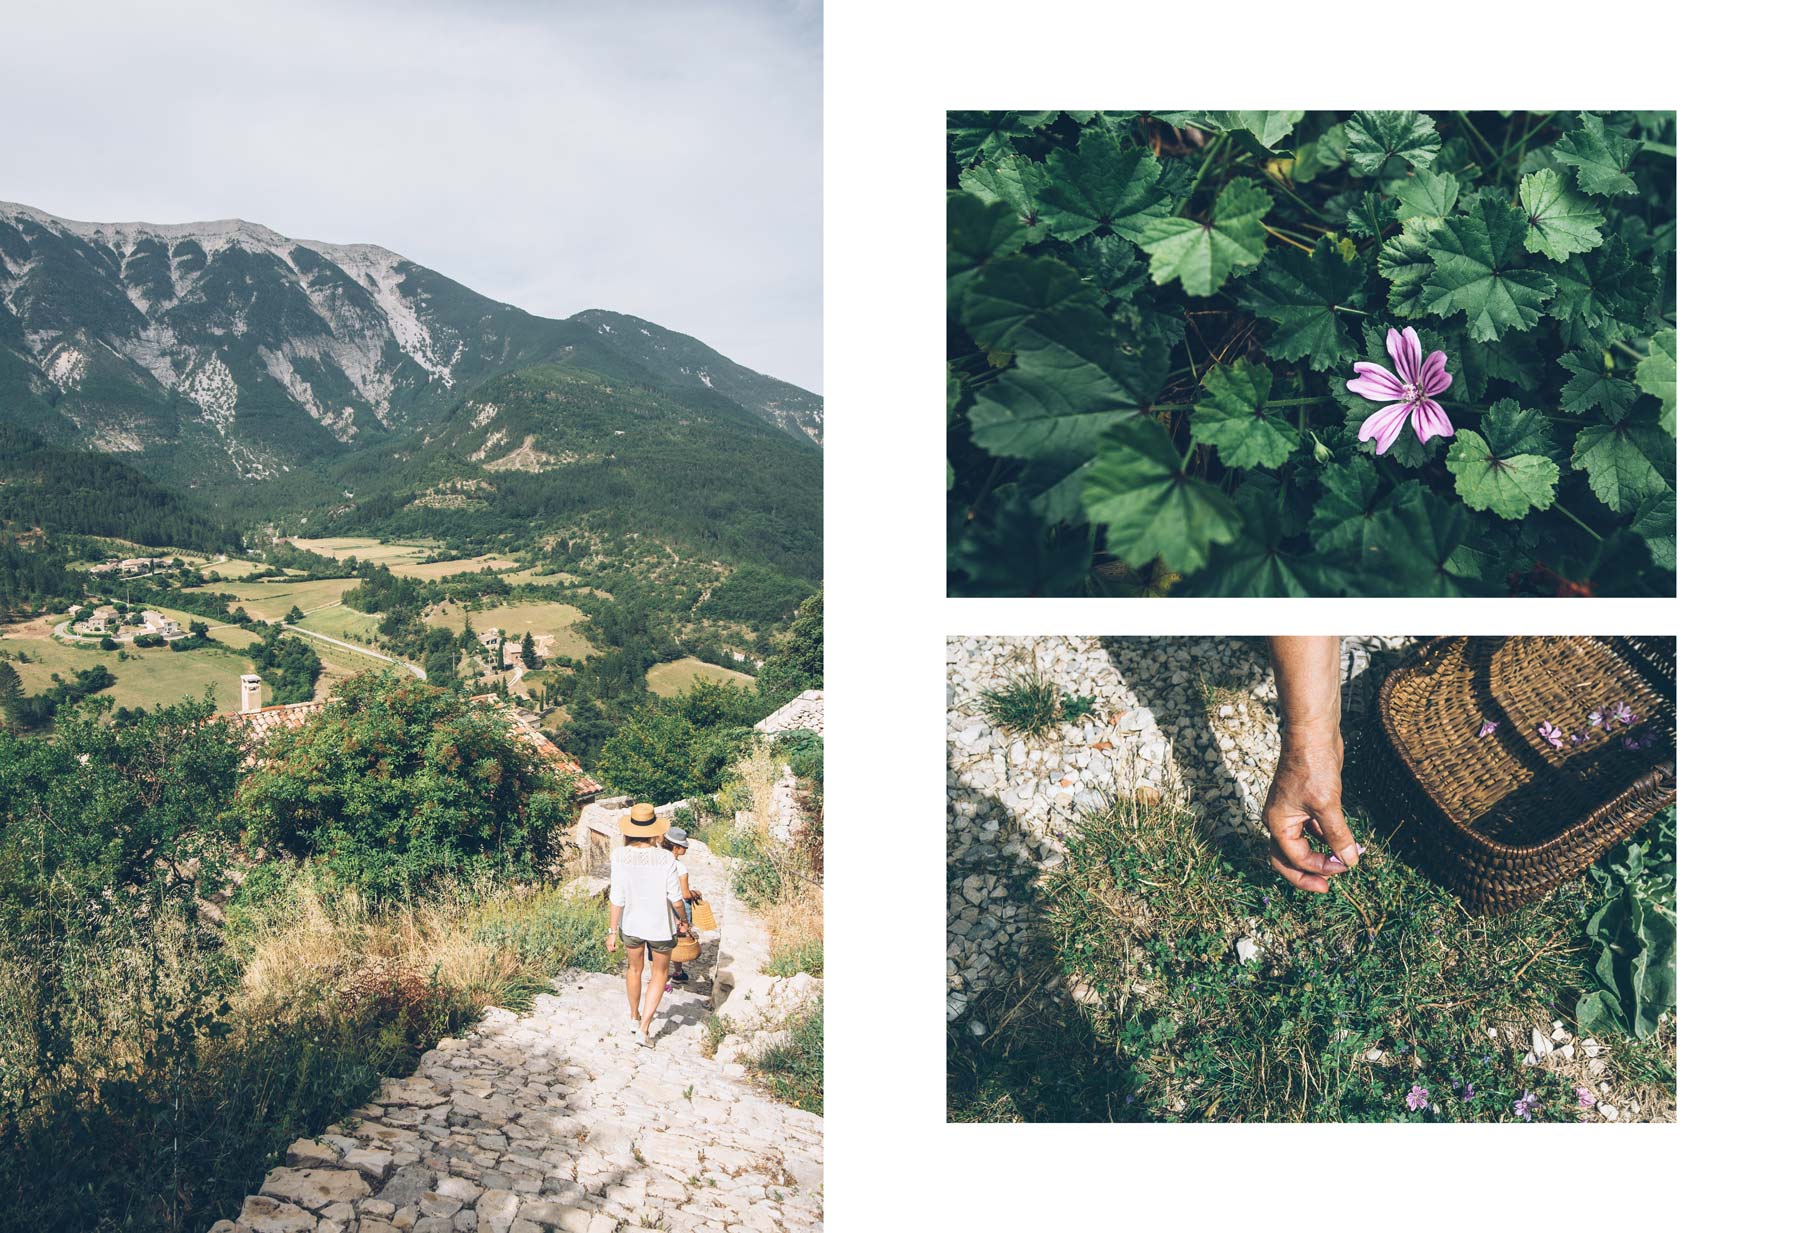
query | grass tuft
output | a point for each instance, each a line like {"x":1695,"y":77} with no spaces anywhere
{"x":1027,"y":705}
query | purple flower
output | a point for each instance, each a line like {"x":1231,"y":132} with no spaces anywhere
{"x":1585,"y":1097}
{"x":1595,"y":719}
{"x":1488,"y":728}
{"x":1622,"y":713}
{"x":1575,"y":738}
{"x":1418,"y":1098}
{"x":1409,"y":396}
{"x":1523,"y":1106}
{"x":1466,"y":1091}
{"x":1550,"y":732}
{"x":1645,"y":742}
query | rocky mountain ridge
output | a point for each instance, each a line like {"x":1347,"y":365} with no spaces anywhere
{"x":228,"y":350}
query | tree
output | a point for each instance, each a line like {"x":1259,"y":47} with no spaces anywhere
{"x":399,"y":784}
{"x":500,"y":652}
{"x":798,"y":661}
{"x":11,"y":689}
{"x":295,"y":616}
{"x":528,"y":652}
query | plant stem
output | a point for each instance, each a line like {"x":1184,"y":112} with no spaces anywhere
{"x":1657,"y":147}
{"x":1473,"y":132}
{"x":1564,"y":511}
{"x":1298,"y":402}
{"x":1297,"y":244}
{"x":1298,"y":199}
{"x":1345,"y":308}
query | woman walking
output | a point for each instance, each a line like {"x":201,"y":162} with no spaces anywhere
{"x":645,"y":892}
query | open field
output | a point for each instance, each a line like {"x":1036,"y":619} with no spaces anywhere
{"x":537,"y":574}
{"x":343,"y":622}
{"x":270,"y":600}
{"x":236,"y":567}
{"x":555,"y":619}
{"x":146,"y":677}
{"x":667,"y":680}
{"x":365,"y":549}
{"x":461,"y":565}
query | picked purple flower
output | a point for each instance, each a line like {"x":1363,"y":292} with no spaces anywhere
{"x":1621,"y":713}
{"x":1418,"y":1098}
{"x":1551,"y":733}
{"x":1595,"y":719}
{"x":1488,"y":728}
{"x":1576,"y":738}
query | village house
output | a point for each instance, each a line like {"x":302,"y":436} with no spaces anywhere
{"x":104,"y":620}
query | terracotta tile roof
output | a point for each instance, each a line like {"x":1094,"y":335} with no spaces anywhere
{"x":586,"y":786}
{"x":255,"y":726}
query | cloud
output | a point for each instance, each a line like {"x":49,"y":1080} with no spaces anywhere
{"x":657,"y":159}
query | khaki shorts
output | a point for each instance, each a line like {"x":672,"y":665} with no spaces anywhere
{"x":660,"y":947}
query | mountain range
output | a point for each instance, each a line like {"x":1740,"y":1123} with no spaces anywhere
{"x":271,"y":375}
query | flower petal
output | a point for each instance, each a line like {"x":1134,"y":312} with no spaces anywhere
{"x":1405,"y":360}
{"x":1434,"y":378}
{"x":1375,"y":382}
{"x":1384,"y":426}
{"x":1429,"y":420}
{"x":1414,"y":352}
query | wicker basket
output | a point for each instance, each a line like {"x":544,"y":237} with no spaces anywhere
{"x":1504,"y":819}
{"x":686,"y":949}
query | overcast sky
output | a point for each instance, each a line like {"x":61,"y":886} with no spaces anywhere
{"x":656,"y":158}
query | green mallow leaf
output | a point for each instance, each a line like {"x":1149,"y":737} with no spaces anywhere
{"x":1512,"y":429}
{"x":1405,"y":261}
{"x":1593,"y":383}
{"x":1598,"y":157}
{"x":1376,"y":136}
{"x":1655,"y":525}
{"x":1016,"y":181}
{"x":1560,"y":221}
{"x":1102,"y":184}
{"x":1026,"y":414}
{"x":1602,"y":295}
{"x":1302,"y":294}
{"x":1109,"y":264}
{"x":1478,"y":269}
{"x":1233,"y":418}
{"x":1203,"y":255}
{"x":1344,"y":516}
{"x":978,"y":232}
{"x":1427,"y":194}
{"x":1014,"y":293}
{"x":1268,"y":128}
{"x":1625,"y":462}
{"x":1656,"y":376}
{"x":1371,"y":214}
{"x":1151,"y":508}
{"x":1419,"y":545}
{"x":977,"y":135}
{"x":1493,"y":474}
{"x":1259,"y":561}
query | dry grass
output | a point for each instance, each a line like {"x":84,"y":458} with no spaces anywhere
{"x":792,"y":901}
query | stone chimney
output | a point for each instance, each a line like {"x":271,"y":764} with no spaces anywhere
{"x":252,"y":692}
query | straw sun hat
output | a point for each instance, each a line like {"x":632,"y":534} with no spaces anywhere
{"x":643,"y":823}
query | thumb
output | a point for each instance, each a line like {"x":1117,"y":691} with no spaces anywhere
{"x":1337,"y":834}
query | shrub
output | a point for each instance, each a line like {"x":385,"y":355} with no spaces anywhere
{"x":1536,"y":250}
{"x":144,"y":640}
{"x":398,"y":784}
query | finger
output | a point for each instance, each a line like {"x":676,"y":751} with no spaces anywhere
{"x":1298,"y":854}
{"x":1299,"y":877}
{"x":1337,"y":833}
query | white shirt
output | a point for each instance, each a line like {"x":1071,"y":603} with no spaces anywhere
{"x":643,"y":883}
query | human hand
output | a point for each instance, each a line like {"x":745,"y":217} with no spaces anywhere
{"x":612,"y":939}
{"x":1306,"y":797}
